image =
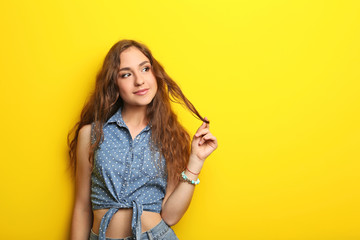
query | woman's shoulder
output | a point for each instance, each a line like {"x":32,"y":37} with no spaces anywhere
{"x":85,"y":129}
{"x":85,"y":133}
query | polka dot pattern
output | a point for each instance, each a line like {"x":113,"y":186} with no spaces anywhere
{"x":127,"y":173}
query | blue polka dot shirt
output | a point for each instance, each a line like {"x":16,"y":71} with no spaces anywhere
{"x":128,"y":173}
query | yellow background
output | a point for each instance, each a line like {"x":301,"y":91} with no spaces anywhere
{"x":279,"y":81}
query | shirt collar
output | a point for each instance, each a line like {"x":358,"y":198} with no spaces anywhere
{"x":117,"y":118}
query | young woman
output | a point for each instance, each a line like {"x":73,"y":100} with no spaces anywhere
{"x":135,"y":166}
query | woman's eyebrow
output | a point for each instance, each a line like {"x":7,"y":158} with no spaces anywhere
{"x":126,"y":68}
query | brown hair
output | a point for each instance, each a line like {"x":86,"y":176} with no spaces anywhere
{"x":166,"y":131}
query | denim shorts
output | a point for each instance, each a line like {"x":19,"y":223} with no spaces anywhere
{"x":160,"y":231}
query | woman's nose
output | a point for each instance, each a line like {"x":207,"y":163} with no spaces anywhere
{"x":139,"y":80}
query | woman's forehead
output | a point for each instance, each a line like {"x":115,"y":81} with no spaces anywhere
{"x":132,"y":56}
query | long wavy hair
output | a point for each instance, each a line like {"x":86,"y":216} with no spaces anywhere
{"x":170,"y":137}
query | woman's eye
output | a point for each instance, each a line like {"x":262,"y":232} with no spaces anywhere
{"x":146,"y":69}
{"x":125,"y":75}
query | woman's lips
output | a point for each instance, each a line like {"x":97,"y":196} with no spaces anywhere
{"x":141,"y":92}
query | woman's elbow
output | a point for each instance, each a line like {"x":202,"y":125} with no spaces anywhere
{"x":170,"y":219}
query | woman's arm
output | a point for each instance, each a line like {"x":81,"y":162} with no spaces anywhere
{"x":178,"y":195}
{"x":82,"y":212}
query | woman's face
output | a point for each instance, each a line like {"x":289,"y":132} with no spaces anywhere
{"x":136,"y":81}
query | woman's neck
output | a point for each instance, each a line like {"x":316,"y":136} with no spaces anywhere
{"x":134,"y":116}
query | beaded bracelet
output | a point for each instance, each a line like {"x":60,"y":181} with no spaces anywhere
{"x":186,"y":179}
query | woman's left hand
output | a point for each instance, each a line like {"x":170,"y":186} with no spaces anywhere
{"x":203,"y":142}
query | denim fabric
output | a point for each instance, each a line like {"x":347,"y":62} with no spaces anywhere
{"x":128,"y":173}
{"x":160,"y":231}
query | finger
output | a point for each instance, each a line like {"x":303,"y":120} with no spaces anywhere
{"x":208,"y":137}
{"x":202,"y":132}
{"x":207,"y":124}
{"x":212,"y":143}
{"x":203,"y":126}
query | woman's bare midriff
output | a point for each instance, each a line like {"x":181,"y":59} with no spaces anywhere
{"x":120,"y":223}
